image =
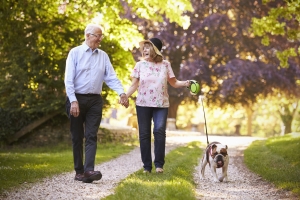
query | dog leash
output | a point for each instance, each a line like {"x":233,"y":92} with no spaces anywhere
{"x":194,"y":88}
{"x":201,"y":98}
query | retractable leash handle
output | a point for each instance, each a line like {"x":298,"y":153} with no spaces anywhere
{"x":194,"y":87}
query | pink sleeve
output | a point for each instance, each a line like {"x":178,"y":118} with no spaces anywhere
{"x":170,"y":70}
{"x":136,"y":71}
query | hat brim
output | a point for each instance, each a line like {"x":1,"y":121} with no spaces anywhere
{"x":142,"y":43}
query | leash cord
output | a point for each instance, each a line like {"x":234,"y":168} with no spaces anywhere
{"x":204,"y":121}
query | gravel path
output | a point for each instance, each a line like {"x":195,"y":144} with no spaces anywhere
{"x":242,"y":184}
{"x":65,"y":187}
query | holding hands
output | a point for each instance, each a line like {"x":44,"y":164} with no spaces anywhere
{"x":124,"y":100}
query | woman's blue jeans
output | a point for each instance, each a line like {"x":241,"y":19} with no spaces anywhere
{"x":159,"y":116}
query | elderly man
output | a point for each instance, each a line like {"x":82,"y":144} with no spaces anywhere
{"x":87,"y":67}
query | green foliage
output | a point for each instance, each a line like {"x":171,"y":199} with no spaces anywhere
{"x":296,"y":121}
{"x":280,"y":166}
{"x":282,"y":20}
{"x":37,"y":42}
{"x":170,"y":8}
{"x":266,"y":120}
{"x":19,"y":165}
{"x":11,"y":122}
{"x":36,"y":37}
{"x":283,"y":56}
{"x":122,"y":61}
{"x":175,"y":183}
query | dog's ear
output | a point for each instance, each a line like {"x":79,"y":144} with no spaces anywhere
{"x":223,"y":152}
{"x":214,"y":148}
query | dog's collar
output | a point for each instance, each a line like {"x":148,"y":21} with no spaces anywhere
{"x":213,"y":155}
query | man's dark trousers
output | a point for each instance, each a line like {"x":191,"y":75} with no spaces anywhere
{"x":86,"y":125}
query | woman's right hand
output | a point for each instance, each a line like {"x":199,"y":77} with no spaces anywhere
{"x":124,"y":101}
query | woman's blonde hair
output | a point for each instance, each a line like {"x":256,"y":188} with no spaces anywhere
{"x":153,"y":55}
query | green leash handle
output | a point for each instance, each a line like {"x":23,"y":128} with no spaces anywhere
{"x":194,"y":87}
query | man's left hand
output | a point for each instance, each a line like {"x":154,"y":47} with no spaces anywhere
{"x":124,"y":100}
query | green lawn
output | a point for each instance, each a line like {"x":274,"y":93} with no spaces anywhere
{"x":19,"y":165}
{"x":277,"y":160}
{"x":175,"y":183}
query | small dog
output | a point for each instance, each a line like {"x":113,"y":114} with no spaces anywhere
{"x":216,"y":156}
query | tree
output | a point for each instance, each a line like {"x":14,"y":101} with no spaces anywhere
{"x":244,"y":82}
{"x":36,"y":36}
{"x":287,"y":112}
{"x":281,"y":21}
{"x":279,"y":27}
{"x":217,"y":39}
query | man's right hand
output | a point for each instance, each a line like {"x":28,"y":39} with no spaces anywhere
{"x":74,"y":110}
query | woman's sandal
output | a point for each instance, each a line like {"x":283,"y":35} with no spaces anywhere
{"x":159,"y":170}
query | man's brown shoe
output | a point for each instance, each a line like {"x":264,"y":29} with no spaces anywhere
{"x":79,"y":177}
{"x":91,"y":176}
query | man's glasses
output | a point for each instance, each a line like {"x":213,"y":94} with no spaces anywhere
{"x":98,"y":36}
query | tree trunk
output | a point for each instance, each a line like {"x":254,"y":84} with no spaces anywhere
{"x":287,"y":113}
{"x":172,"y":115}
{"x":288,"y":126}
{"x":174,"y":104}
{"x":249,"y":111}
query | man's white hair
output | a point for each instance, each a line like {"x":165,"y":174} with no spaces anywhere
{"x":91,"y":27}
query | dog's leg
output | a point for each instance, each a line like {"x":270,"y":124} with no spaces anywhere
{"x":224,"y":171}
{"x":224,"y":175}
{"x":214,"y":172}
{"x":203,"y":165}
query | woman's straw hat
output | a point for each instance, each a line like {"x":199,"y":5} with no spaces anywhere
{"x":155,"y":42}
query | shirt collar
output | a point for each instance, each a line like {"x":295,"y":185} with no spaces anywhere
{"x":87,"y":48}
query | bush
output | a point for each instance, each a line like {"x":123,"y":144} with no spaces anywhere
{"x":12,"y":121}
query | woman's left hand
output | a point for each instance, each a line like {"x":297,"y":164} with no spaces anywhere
{"x":187,"y":83}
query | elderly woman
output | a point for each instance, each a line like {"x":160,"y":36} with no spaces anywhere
{"x":150,"y":77}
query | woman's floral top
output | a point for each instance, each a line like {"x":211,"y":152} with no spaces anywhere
{"x":153,"y":83}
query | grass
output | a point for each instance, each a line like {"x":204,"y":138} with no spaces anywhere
{"x":19,"y":165}
{"x":277,"y":160}
{"x":175,"y":183}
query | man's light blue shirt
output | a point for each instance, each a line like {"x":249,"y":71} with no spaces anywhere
{"x":86,"y":70}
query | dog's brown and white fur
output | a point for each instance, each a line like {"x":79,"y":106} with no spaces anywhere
{"x":216,"y":156}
